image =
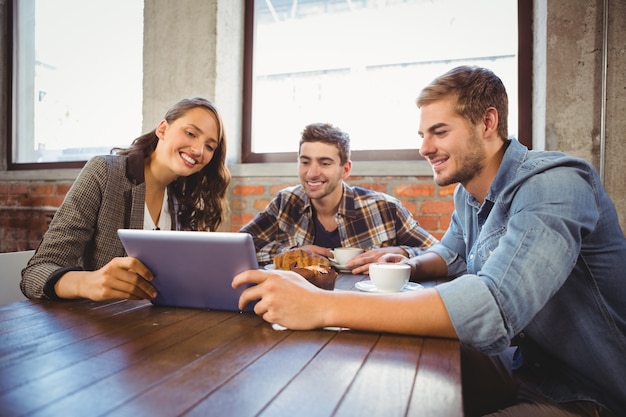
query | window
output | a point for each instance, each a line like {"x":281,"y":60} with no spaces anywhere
{"x":77,"y":79}
{"x":360,"y":65}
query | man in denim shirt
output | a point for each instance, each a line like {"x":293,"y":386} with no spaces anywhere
{"x":537,"y":256}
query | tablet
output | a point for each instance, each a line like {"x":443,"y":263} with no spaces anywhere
{"x":193,"y":269}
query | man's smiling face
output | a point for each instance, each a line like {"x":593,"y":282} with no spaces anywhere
{"x":450,"y":143}
{"x":320,"y":170}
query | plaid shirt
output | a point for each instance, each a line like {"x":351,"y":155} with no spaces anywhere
{"x":367,"y":219}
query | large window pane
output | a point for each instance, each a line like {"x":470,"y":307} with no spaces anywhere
{"x":77,"y":78}
{"x":361,"y":64}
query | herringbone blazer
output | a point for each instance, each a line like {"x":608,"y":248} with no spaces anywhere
{"x":108,"y":194}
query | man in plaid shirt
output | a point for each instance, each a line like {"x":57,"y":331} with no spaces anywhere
{"x":323,"y":212}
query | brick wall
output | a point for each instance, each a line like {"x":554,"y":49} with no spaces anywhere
{"x":26,"y":207}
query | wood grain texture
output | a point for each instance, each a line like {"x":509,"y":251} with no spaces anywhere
{"x":129,"y":358}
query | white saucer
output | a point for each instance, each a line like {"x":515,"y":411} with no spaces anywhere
{"x":368,"y":286}
{"x":340,"y":268}
{"x":270,"y":267}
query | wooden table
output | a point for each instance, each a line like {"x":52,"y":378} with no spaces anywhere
{"x":129,"y":358}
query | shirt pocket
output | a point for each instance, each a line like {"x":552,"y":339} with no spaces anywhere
{"x":487,"y":243}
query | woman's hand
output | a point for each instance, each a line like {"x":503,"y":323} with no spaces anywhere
{"x":121,"y":278}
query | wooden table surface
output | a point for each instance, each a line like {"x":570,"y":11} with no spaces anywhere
{"x":129,"y":358}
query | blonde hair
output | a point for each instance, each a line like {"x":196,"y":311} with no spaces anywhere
{"x":476,"y":89}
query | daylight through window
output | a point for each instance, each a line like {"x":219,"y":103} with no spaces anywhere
{"x":77,"y":78}
{"x":361,"y":64}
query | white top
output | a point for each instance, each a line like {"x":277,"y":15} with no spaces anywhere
{"x":165,"y":221}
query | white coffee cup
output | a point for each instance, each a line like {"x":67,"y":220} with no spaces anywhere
{"x":389,"y":277}
{"x":341,"y":256}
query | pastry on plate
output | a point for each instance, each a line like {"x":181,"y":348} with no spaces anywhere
{"x":299,"y":258}
{"x":319,"y":275}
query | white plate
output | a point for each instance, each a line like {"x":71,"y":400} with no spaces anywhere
{"x":272,"y":267}
{"x":369,"y":286}
{"x":278,"y":327}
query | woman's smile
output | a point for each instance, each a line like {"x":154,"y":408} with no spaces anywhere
{"x":188,"y":159}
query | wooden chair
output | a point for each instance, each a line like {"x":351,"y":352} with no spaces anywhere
{"x":11,"y":265}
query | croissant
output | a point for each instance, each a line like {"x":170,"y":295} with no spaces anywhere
{"x":299,"y":258}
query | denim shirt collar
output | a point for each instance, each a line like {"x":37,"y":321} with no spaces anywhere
{"x":514,"y":156}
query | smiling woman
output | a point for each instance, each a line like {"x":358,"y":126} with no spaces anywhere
{"x":173,"y":177}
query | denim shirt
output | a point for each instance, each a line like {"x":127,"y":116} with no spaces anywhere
{"x":543,"y":260}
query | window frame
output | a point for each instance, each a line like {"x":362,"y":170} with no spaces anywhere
{"x":7,"y":83}
{"x":9,"y":49}
{"x":524,"y":68}
{"x":525,"y":82}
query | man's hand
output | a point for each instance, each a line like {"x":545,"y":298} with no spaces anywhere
{"x":360,"y":264}
{"x":285,"y":298}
